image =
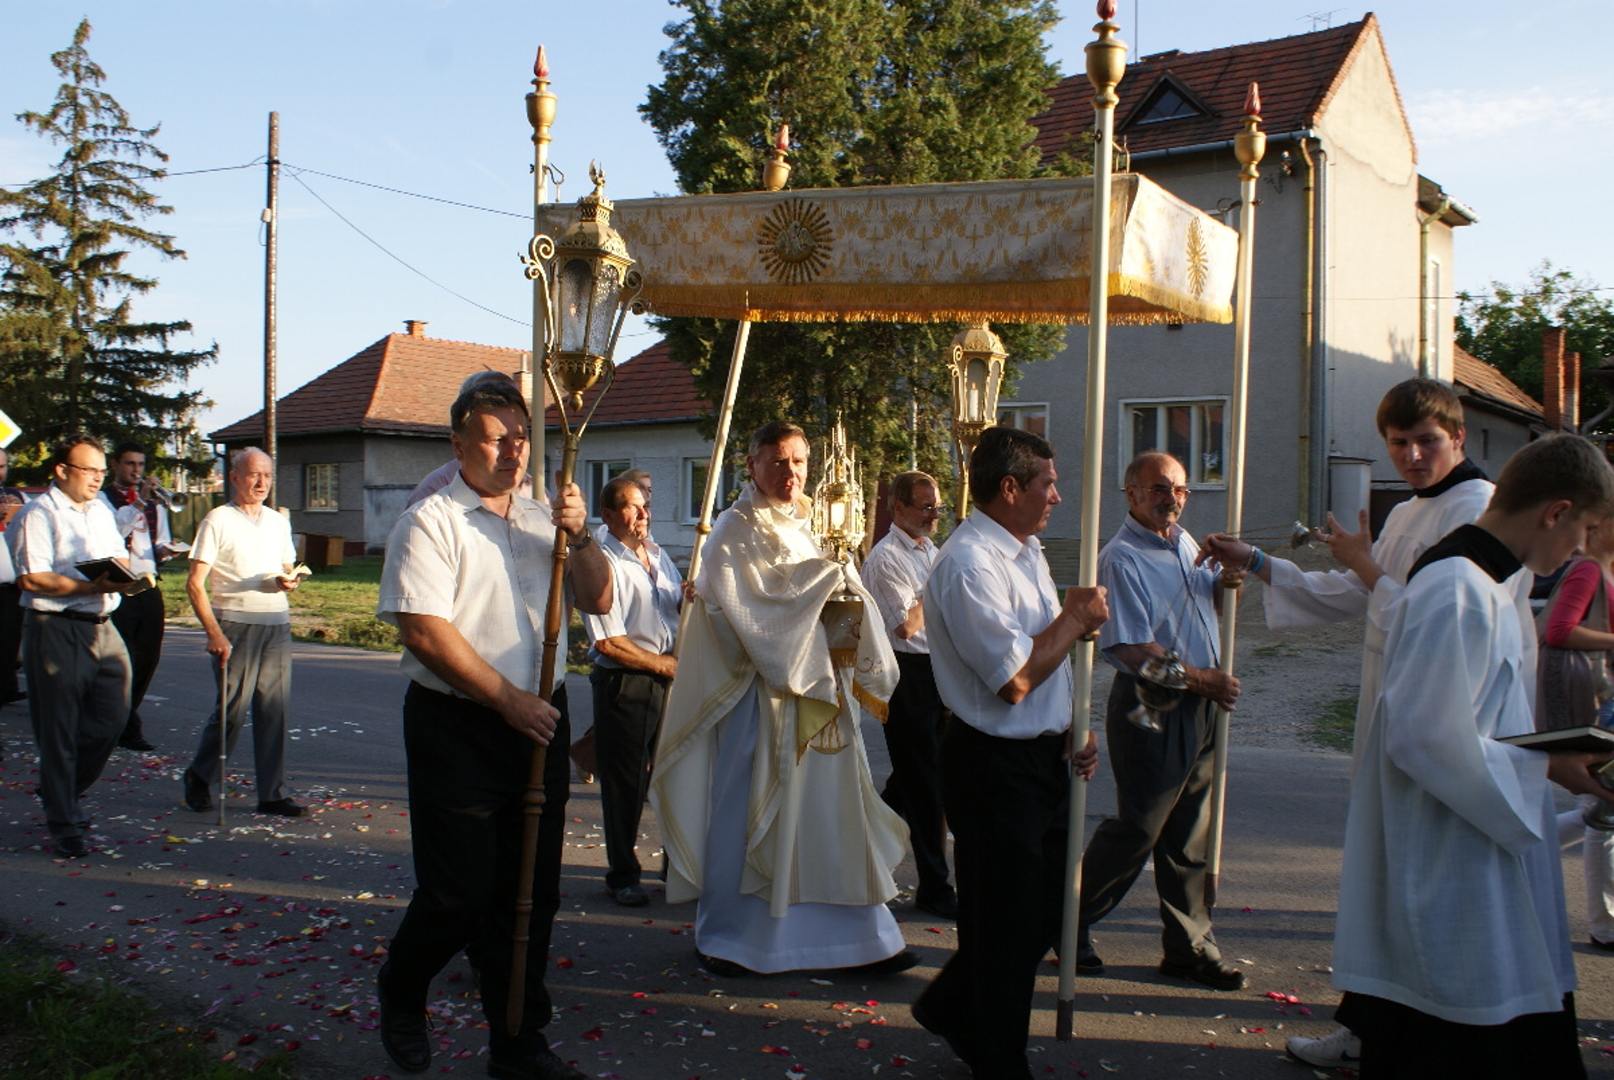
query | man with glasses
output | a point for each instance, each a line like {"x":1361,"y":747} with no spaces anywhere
{"x":1160,"y":600}
{"x":77,"y":665}
{"x":895,"y":572}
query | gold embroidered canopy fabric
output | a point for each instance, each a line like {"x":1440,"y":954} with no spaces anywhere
{"x":1005,"y":250}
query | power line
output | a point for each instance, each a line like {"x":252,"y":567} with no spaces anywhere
{"x":411,"y":194}
{"x":399,"y":259}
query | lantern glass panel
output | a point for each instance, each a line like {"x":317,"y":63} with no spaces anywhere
{"x":837,"y":515}
{"x":607,"y":290}
{"x":576,"y":287}
{"x":975,"y":401}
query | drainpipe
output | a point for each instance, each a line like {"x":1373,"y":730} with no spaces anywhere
{"x":1308,"y":284}
{"x":1320,"y":369}
{"x":1426,"y":367}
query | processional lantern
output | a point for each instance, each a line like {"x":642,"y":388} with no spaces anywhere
{"x":838,"y":500}
{"x":975,"y":363}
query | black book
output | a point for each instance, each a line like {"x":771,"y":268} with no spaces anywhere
{"x":1586,"y":740}
{"x":113,"y":569}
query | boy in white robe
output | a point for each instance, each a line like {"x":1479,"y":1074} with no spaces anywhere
{"x":1452,"y":944}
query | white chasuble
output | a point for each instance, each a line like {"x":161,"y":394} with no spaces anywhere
{"x":816,"y":830}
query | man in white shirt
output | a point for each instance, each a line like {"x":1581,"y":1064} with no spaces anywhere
{"x":244,"y":555}
{"x":466,"y":582}
{"x":11,"y":501}
{"x":632,"y":653}
{"x":1160,"y":600}
{"x":1000,"y":644}
{"x":77,"y":666}
{"x":143,"y":521}
{"x":895,"y":573}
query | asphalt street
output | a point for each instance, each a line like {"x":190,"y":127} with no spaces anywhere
{"x":270,"y":931}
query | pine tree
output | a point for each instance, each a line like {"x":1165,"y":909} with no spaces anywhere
{"x":73,"y":357}
{"x":876,"y":92}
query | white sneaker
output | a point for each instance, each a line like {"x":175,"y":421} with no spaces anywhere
{"x":1334,"y":1050}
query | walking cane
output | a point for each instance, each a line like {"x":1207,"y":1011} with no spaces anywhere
{"x":593,"y":259}
{"x":224,"y":726}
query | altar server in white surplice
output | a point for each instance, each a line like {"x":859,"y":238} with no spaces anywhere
{"x":1451,"y":943}
{"x":761,"y":783}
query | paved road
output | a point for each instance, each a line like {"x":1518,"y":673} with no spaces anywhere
{"x":271,"y":931}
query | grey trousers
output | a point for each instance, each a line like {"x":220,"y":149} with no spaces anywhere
{"x":259,"y":674}
{"x":78,"y":700}
{"x":1162,"y":796}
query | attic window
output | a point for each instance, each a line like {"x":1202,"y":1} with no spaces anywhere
{"x":1168,"y":103}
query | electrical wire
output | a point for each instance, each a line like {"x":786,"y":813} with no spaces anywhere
{"x":411,"y":194}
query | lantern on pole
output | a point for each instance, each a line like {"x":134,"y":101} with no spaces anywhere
{"x":975,"y":363}
{"x":589,"y":285}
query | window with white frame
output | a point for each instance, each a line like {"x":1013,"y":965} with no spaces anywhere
{"x":597,"y":474}
{"x":1029,"y":416}
{"x":694,"y":484}
{"x":319,"y":487}
{"x":1192,"y":431}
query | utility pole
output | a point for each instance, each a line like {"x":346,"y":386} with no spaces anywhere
{"x":271,"y":220}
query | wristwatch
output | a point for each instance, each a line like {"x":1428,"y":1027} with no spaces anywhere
{"x":578,"y":543}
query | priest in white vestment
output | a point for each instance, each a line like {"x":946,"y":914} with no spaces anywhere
{"x":761,"y":784}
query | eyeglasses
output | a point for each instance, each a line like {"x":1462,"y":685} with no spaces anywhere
{"x":85,"y":469}
{"x":1178,"y":491}
{"x":926,"y":508}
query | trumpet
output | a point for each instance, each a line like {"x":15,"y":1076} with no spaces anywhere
{"x":174,"y":501}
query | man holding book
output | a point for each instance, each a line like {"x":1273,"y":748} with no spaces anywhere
{"x":77,"y":666}
{"x":244,"y":550}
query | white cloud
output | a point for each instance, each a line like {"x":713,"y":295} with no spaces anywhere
{"x":1445,"y":116}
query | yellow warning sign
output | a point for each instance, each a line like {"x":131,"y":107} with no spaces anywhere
{"x":8,"y":430}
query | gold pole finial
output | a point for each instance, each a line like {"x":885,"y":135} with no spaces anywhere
{"x":540,"y":102}
{"x":776,"y":170}
{"x":1106,"y":57}
{"x":1250,"y":145}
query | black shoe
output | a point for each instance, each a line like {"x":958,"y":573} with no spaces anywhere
{"x":136,"y":741}
{"x":891,"y":965}
{"x":282,"y":808}
{"x":545,"y":1065}
{"x":71,"y":847}
{"x":943,"y":905}
{"x":1600,"y":946}
{"x":630,"y":896}
{"x":403,"y":1030}
{"x":957,"y":1041}
{"x":197,"y":797}
{"x":726,"y":969}
{"x":1088,"y":961}
{"x":1205,"y":971}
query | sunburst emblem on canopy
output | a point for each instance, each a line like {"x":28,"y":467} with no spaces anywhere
{"x":795,"y":238}
{"x":1198,"y":259}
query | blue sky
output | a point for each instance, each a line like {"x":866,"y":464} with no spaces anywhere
{"x":1512,"y":106}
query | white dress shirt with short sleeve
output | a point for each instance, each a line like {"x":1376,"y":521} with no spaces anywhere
{"x":895,"y":572}
{"x":52,"y":534}
{"x":644,"y":605}
{"x":244,"y":555}
{"x":451,"y":557}
{"x":1157,"y":595}
{"x":987,"y":596}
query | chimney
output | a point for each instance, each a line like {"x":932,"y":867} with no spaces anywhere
{"x":1572,"y":391}
{"x":1552,"y":377}
{"x":415,"y":327}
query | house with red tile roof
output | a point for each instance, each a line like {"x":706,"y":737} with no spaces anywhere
{"x":1353,"y":278}
{"x":356,"y":440}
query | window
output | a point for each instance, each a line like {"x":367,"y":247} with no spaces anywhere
{"x":319,"y":487}
{"x":1193,"y":432}
{"x":1168,"y":102}
{"x":598,"y":474}
{"x":695,"y":470}
{"x":1024,"y":415}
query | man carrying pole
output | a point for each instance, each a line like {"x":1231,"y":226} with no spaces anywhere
{"x":471,"y":714}
{"x":1000,"y":642}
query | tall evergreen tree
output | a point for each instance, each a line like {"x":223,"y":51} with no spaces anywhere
{"x":72,"y":354}
{"x":876,"y":92}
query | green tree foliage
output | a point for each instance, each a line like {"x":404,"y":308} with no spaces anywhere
{"x":1503,"y":326}
{"x":73,"y":355}
{"x":876,"y":92}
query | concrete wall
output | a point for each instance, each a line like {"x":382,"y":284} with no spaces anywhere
{"x":393,"y":465}
{"x":1492,"y":438}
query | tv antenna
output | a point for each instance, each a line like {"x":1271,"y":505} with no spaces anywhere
{"x":1321,"y":20}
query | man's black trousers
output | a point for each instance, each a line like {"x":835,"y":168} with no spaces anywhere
{"x":467,"y":776}
{"x":627,"y":719}
{"x":913,"y":735}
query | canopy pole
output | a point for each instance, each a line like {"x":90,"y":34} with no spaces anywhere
{"x":1248,"y":146}
{"x":1106,"y":64}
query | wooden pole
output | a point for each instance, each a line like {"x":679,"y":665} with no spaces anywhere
{"x":271,"y":220}
{"x":1249,"y":146}
{"x":1106,"y":63}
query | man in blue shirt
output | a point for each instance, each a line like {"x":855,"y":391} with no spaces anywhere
{"x":1159,"y":601}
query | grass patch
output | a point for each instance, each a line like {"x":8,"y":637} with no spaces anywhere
{"x":1334,"y":725}
{"x":75,"y":1025}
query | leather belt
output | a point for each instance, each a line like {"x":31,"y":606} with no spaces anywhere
{"x":76,"y":616}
